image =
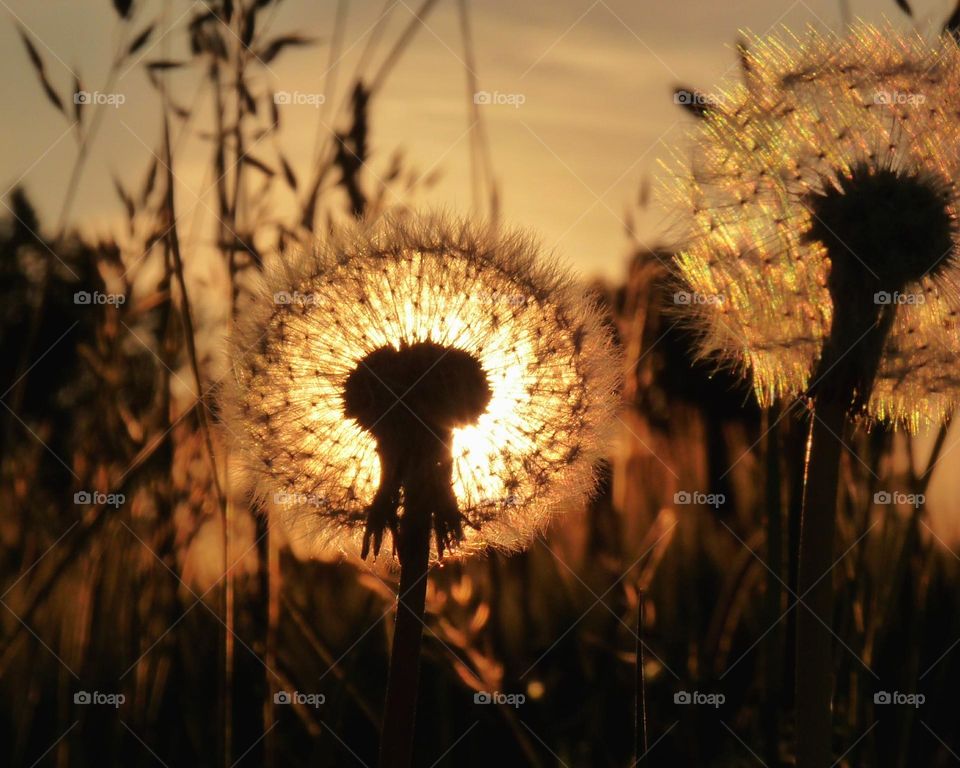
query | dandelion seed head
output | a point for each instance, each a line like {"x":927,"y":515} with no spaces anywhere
{"x":822,"y":182}
{"x":423,"y":332}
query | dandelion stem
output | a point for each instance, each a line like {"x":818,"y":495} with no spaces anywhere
{"x":774,"y":655}
{"x":843,"y":382}
{"x":396,"y":742}
{"x":815,"y":583}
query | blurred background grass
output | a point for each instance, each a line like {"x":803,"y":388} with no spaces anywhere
{"x":182,"y":599}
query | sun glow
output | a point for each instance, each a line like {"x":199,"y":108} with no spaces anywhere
{"x":416,"y":312}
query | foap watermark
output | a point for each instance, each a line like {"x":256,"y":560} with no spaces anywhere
{"x":687,"y":98}
{"x":715,"y":500}
{"x":506,"y":297}
{"x":897,"y":498}
{"x":96,"y":98}
{"x":496,"y":697}
{"x":96,"y":698}
{"x":696,"y":698}
{"x":510,"y":500}
{"x":498,"y":99}
{"x":283,"y":499}
{"x":299,"y":99}
{"x":899,"y":98}
{"x":692,"y":297}
{"x":896,"y":297}
{"x":315,"y":700}
{"x":286,"y":297}
{"x":115,"y":500}
{"x":914,"y":700}
{"x":95,"y":297}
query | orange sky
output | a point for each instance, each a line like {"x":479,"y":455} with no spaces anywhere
{"x":594,"y":78}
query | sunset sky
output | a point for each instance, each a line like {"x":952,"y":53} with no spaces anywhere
{"x":594,"y":78}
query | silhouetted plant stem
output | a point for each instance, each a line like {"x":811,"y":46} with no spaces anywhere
{"x":815,"y":583}
{"x":399,"y":714}
{"x":774,"y":655}
{"x":843,"y":380}
{"x":640,"y":734}
{"x":270,"y":581}
{"x":842,"y":384}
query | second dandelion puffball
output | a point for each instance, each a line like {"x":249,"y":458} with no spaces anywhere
{"x":822,"y":210}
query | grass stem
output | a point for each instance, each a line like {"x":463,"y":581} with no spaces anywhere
{"x":640,"y":734}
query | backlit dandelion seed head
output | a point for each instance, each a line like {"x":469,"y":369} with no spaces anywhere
{"x":833,"y":154}
{"x":515,"y":358}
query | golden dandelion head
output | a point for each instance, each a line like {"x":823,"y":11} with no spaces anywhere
{"x":420,"y":364}
{"x":823,"y":221}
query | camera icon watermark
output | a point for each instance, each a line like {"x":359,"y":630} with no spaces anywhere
{"x":299,"y":99}
{"x":504,"y":297}
{"x":696,"y":698}
{"x":897,"y":498}
{"x":315,"y":700}
{"x":686,"y":98}
{"x":496,"y":697}
{"x":897,"y":298}
{"x":95,"y":297}
{"x":96,"y":698}
{"x":715,"y":500}
{"x":688,"y":297}
{"x":99,"y":498}
{"x":899,"y":98}
{"x":915,"y":700}
{"x":96,"y":98}
{"x":284,"y":499}
{"x":496,"y":98}
{"x":295,"y":297}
